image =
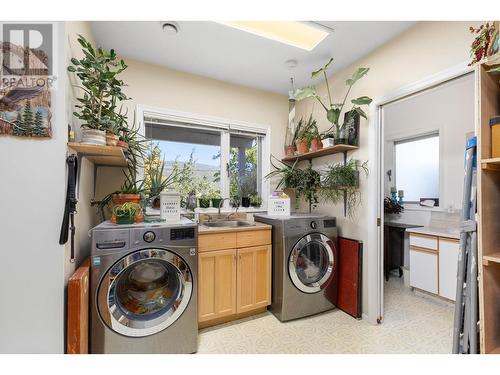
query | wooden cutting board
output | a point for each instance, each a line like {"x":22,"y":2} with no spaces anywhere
{"x":78,"y":310}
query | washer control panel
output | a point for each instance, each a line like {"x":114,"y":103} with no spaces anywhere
{"x":149,"y":236}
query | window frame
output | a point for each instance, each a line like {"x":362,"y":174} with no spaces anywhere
{"x":415,"y":137}
{"x":225,"y":126}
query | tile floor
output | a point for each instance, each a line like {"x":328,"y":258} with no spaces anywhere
{"x":414,"y":323}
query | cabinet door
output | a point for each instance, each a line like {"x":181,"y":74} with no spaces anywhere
{"x":424,"y":269}
{"x":254,"y":278}
{"x":448,"y":264}
{"x":217,"y":284}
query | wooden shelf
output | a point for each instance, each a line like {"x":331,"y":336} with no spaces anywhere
{"x":491,"y":164}
{"x":337,"y":149}
{"x":495,"y":351}
{"x":112,"y":156}
{"x":495,"y":258}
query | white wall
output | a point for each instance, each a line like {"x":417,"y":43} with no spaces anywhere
{"x":32,"y":191}
{"x":423,"y":50}
{"x":447,"y":109}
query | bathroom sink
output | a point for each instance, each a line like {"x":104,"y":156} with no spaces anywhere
{"x":228,"y":224}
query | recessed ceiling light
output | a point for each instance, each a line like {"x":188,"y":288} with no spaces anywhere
{"x":302,"y":35}
{"x":170,"y":27}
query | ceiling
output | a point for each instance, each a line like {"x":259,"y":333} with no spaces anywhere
{"x":217,"y":51}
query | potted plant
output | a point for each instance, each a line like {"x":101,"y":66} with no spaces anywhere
{"x":315,"y":137}
{"x":154,"y":179}
{"x":334,"y":110}
{"x":340,"y":179}
{"x":216,"y":199}
{"x":256,"y":201}
{"x":204,"y":201}
{"x":97,"y":72}
{"x":306,"y":132}
{"x":327,"y":139}
{"x":126,"y":213}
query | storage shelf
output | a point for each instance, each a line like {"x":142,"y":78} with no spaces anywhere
{"x":101,"y":155}
{"x":495,"y":258}
{"x":337,"y":149}
{"x":491,"y":164}
{"x":495,"y":351}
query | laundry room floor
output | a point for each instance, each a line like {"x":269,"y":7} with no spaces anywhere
{"x":413,"y":323}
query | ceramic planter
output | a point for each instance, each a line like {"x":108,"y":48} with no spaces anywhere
{"x":245,"y":202}
{"x":328,"y":142}
{"x":216,"y":202}
{"x":204,"y":202}
{"x":316,"y":144}
{"x":302,"y":146}
{"x":119,"y":199}
{"x":290,"y":150}
{"x":112,"y":139}
{"x":93,"y":136}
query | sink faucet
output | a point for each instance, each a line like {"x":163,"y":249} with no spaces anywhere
{"x":220,"y":204}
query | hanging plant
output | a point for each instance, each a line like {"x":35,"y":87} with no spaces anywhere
{"x":340,"y":179}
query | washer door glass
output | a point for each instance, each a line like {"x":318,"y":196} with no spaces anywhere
{"x":144,"y":292}
{"x":311,"y":263}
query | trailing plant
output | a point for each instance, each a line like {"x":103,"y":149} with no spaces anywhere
{"x":98,"y":72}
{"x":340,"y":179}
{"x":334,"y":110}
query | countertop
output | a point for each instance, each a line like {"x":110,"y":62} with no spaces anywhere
{"x":400,"y":225}
{"x":202,"y":229}
{"x":449,"y":232}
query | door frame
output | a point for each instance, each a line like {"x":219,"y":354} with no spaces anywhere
{"x":375,"y":310}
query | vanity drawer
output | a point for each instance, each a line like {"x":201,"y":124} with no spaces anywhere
{"x":216,"y":241}
{"x":423,"y":241}
{"x":253,"y":238}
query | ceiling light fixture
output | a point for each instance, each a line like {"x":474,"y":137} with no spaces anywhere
{"x":304,"y":35}
{"x":170,"y":27}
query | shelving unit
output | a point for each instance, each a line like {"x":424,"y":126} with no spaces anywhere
{"x":101,"y":156}
{"x":488,"y":90}
{"x":337,"y":149}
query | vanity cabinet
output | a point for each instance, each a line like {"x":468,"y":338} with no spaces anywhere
{"x":433,"y":264}
{"x":234,"y":275}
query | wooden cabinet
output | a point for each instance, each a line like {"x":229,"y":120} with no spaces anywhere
{"x":433,"y":264}
{"x":233,"y":282}
{"x":253,"y":283}
{"x":448,"y":264}
{"x":217,"y":284}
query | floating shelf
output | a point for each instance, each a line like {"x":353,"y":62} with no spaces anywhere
{"x":112,"y":156}
{"x":491,"y":164}
{"x":495,"y":258}
{"x":337,"y":149}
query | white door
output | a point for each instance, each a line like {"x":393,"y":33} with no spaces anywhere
{"x":448,"y":264}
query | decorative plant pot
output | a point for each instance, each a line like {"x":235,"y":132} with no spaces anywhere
{"x":316,"y":144}
{"x":216,"y":202}
{"x":139,"y":218}
{"x":119,"y":199}
{"x":290,"y":150}
{"x":112,"y":139}
{"x":93,"y":137}
{"x":122,"y":144}
{"x":341,"y":137}
{"x":204,"y":202}
{"x":245,"y":202}
{"x":328,"y":142}
{"x":125,"y":220}
{"x":351,"y":126}
{"x":302,"y":146}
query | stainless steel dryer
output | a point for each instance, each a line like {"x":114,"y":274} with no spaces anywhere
{"x":304,"y":264}
{"x":143,"y":288}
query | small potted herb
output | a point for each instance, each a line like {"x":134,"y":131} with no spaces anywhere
{"x":256,"y":201}
{"x":126,"y":213}
{"x":204,"y":201}
{"x":216,"y":199}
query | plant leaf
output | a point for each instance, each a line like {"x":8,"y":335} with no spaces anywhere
{"x":362,"y":100}
{"x":333,"y":115}
{"x":358,"y":74}
{"x":304,"y":93}
{"x":321,"y":70}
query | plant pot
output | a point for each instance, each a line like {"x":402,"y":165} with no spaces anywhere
{"x":155,"y":203}
{"x":216,"y":202}
{"x":328,"y":142}
{"x":204,"y":202}
{"x":138,"y":218}
{"x":93,"y":137}
{"x":119,"y":199}
{"x":125,"y":220}
{"x":302,"y":146}
{"x":316,"y":144}
{"x":245,"y":202}
{"x":112,"y":139}
{"x":290,"y":150}
{"x":122,"y":144}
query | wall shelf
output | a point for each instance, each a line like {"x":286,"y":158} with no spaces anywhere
{"x":491,"y":164}
{"x":337,"y":149}
{"x":495,"y":258}
{"x":101,"y":156}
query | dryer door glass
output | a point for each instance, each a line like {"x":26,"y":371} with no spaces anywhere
{"x":311,"y":263}
{"x":144,"y":292}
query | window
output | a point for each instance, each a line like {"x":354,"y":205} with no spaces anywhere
{"x":215,"y":160}
{"x":417,"y":167}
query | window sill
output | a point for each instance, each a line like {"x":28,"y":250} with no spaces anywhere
{"x":416,"y":207}
{"x":224,"y":210}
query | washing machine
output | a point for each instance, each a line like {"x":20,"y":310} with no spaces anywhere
{"x":143,"y":288}
{"x":305,"y":258}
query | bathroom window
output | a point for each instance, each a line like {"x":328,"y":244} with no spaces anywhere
{"x":417,"y":167}
{"x":214,"y":159}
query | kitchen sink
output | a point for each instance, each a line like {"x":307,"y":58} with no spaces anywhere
{"x":228,"y":224}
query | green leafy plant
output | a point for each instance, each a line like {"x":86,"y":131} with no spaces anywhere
{"x":334,"y":110}
{"x":255,"y":201}
{"x":125,"y":213}
{"x":340,"y":179}
{"x":155,"y":180}
{"x":98,"y":72}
